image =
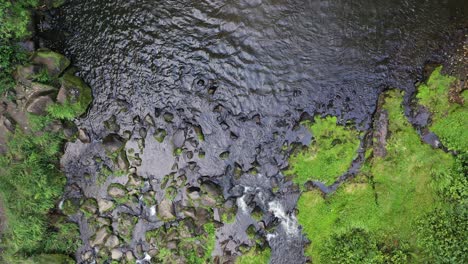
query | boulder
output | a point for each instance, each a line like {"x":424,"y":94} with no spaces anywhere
{"x":112,"y":143}
{"x":104,"y":205}
{"x":25,"y":74}
{"x":53,"y":62}
{"x":38,"y":106}
{"x":100,"y":237}
{"x":83,"y":136}
{"x":117,"y":191}
{"x":32,"y":91}
{"x":116,"y":254}
{"x":75,"y":92}
{"x":112,"y":242}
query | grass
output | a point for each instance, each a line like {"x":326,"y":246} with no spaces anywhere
{"x":255,"y":256}
{"x":329,"y":155}
{"x":449,"y":120}
{"x":30,"y":185}
{"x":380,"y":210}
{"x":195,"y":249}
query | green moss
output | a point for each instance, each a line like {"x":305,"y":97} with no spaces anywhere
{"x":255,"y":256}
{"x":449,"y":120}
{"x":330,"y":154}
{"x":384,"y":202}
{"x":77,"y":97}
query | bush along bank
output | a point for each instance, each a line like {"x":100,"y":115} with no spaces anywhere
{"x":32,"y":134}
{"x":408,"y":203}
{"x":39,"y":96}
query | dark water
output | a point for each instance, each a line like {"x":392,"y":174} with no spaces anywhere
{"x":245,"y":72}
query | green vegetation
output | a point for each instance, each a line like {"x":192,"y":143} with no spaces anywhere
{"x":449,"y":120}
{"x":255,"y":256}
{"x":193,"y":249}
{"x":408,"y":207}
{"x":329,"y":156}
{"x":14,"y":20}
{"x":30,"y":185}
{"x":15,"y":17}
{"x":75,"y":99}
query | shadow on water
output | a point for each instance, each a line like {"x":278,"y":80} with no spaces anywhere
{"x":241,"y":72}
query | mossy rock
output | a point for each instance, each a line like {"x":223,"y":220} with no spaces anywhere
{"x":73,"y":98}
{"x":54,"y":62}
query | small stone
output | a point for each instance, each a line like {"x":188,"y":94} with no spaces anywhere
{"x":104,"y":205}
{"x":112,"y":242}
{"x":116,"y":254}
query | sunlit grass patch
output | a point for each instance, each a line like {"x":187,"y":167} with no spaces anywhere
{"x":330,"y":154}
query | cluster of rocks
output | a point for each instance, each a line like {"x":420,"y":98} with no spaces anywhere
{"x":47,"y":80}
{"x":127,"y":215}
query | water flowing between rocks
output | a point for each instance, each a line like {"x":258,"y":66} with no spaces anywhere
{"x":210,"y":95}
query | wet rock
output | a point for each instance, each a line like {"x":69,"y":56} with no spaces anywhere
{"x":380,"y":133}
{"x":237,"y":191}
{"x":116,"y":254}
{"x":83,"y":136}
{"x":55,"y":63}
{"x":113,"y":143}
{"x":165,"y":211}
{"x":143,"y":132}
{"x":168,"y":117}
{"x":421,"y":116}
{"x":104,"y":205}
{"x":100,"y":237}
{"x":74,"y":91}
{"x":431,"y":139}
{"x":112,"y":242}
{"x":149,"y":120}
{"x":178,"y":139}
{"x":117,"y":191}
{"x":39,"y":105}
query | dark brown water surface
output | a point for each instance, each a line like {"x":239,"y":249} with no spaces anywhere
{"x":245,"y":72}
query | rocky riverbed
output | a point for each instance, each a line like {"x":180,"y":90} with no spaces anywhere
{"x":197,"y":108}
